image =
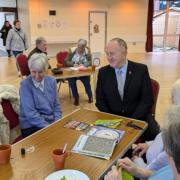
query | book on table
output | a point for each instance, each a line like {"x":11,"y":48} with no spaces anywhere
{"x":106,"y":133}
{"x":95,"y":146}
{"x":77,"y":125}
{"x":98,"y":142}
{"x":110,"y":123}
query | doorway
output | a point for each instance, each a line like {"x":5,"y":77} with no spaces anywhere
{"x":10,"y":17}
{"x":97,"y":30}
{"x":5,"y":16}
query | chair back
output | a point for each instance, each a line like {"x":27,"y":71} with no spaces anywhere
{"x":13,"y":119}
{"x":22,"y":62}
{"x":155,"y":90}
{"x":60,"y":57}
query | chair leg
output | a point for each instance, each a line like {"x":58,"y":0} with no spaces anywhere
{"x":69,"y":90}
{"x":59,"y":86}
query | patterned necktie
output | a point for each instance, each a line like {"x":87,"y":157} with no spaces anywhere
{"x":41,"y":87}
{"x":120,"y":82}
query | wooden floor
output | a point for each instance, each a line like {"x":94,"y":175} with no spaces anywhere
{"x":164,"y":67}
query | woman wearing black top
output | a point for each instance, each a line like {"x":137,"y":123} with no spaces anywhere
{"x":4,"y":32}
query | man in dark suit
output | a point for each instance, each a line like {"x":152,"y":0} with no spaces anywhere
{"x":124,"y":87}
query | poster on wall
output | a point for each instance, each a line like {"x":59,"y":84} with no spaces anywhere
{"x":57,"y":24}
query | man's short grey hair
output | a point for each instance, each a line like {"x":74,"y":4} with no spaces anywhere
{"x":171,"y":134}
{"x":39,"y":40}
{"x":121,"y":42}
{"x":82,"y":42}
{"x":175,"y":93}
{"x":38,"y":61}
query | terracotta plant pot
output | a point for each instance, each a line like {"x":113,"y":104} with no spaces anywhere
{"x":59,"y":158}
{"x":5,"y":153}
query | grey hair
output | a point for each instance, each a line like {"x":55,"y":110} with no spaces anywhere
{"x":121,"y":42}
{"x":171,"y":134}
{"x":175,"y":93}
{"x":82,"y":42}
{"x":39,"y":40}
{"x":38,"y":61}
{"x":172,"y":115}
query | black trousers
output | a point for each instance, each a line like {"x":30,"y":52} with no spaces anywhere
{"x":152,"y":130}
{"x":29,"y":131}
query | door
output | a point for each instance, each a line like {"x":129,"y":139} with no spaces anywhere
{"x":97,"y":30}
{"x":5,"y":16}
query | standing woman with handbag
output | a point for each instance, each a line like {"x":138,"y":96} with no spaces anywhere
{"x":4,"y":31}
{"x":16,"y":40}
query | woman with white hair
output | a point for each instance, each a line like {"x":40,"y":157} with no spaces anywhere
{"x":170,"y":137}
{"x":39,"y":101}
{"x":80,"y":56}
{"x":154,"y":150}
{"x":175,"y":93}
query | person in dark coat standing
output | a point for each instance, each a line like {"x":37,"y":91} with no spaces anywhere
{"x":4,"y":32}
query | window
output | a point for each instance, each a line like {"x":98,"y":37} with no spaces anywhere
{"x":166,"y":25}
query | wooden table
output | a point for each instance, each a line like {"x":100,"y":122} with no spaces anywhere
{"x":68,"y":73}
{"x":38,"y":164}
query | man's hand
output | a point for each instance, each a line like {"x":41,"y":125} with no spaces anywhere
{"x":114,"y":174}
{"x":140,"y":149}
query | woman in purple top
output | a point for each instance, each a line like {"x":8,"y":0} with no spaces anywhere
{"x":170,"y":137}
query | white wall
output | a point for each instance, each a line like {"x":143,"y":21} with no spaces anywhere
{"x":125,"y":18}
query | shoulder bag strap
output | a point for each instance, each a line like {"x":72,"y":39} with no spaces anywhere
{"x":21,"y":38}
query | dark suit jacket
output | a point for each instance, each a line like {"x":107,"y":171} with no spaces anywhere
{"x":138,"y":97}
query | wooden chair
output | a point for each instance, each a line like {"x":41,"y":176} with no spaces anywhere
{"x":155,"y":89}
{"x":22,"y":62}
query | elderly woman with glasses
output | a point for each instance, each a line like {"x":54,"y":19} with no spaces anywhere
{"x":80,"y":56}
{"x":39,"y":101}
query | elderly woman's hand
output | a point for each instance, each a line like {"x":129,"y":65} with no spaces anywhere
{"x":128,"y":165}
{"x":114,"y":174}
{"x":140,"y":149}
